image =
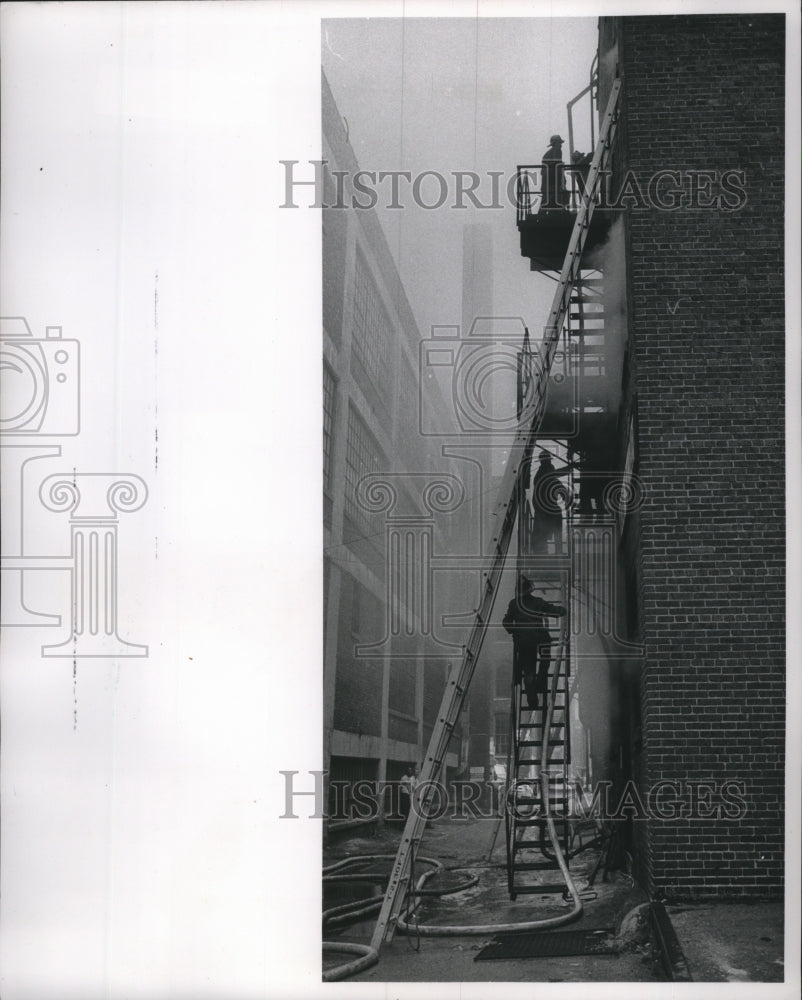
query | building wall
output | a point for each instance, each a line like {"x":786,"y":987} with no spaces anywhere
{"x":377,"y":710}
{"x":706,"y":368}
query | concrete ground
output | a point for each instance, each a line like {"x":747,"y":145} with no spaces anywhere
{"x":722,"y":942}
{"x":409,"y":958}
{"x":731,"y":942}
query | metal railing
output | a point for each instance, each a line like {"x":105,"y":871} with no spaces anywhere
{"x":592,"y":90}
{"x":534,"y":184}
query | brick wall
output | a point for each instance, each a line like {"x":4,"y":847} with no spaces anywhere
{"x":706,"y":331}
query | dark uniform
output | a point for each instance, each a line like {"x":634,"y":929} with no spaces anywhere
{"x":525,"y":620}
{"x":548,"y":515}
{"x":553,"y":185}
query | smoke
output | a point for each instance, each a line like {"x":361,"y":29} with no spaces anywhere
{"x":608,"y":63}
{"x":609,"y":259}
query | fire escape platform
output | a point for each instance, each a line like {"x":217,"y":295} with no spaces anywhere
{"x":546,"y":234}
{"x":579,"y":410}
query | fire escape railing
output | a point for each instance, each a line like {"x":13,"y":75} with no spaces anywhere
{"x":571,"y":186}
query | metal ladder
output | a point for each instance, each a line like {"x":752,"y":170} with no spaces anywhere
{"x":525,"y":826}
{"x":503,"y":522}
{"x":588,"y":351}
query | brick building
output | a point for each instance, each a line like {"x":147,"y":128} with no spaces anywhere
{"x":703,"y":412}
{"x":682,"y":315}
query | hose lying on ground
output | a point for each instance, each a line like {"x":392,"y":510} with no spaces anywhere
{"x":371,"y":955}
{"x":368,"y":956}
{"x":434,"y":930}
{"x":357,"y":909}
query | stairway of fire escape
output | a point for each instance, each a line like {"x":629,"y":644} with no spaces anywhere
{"x":574,"y":405}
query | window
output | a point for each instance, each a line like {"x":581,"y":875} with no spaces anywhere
{"x":372,"y":330}
{"x":408,"y":399}
{"x":326,"y":585}
{"x":403,"y":685}
{"x":329,"y":408}
{"x":501,"y":733}
{"x":362,"y":456}
{"x":367,"y":614}
{"x":335,"y":236}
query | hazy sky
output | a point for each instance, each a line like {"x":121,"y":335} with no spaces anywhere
{"x":458,"y":94}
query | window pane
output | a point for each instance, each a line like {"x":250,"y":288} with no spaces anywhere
{"x":372,"y":330}
{"x":329,"y":403}
{"x":362,"y":456}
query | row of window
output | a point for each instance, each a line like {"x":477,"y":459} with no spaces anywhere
{"x":372,"y":330}
{"x":362,"y":456}
{"x":329,"y":414}
{"x":372,"y":346}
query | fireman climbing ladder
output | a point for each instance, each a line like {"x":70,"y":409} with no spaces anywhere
{"x":525,"y":812}
{"x":504,"y":515}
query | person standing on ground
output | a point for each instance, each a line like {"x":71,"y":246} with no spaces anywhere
{"x":406,"y":788}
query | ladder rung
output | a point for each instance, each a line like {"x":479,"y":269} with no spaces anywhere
{"x":547,"y":889}
{"x":554,"y":800}
{"x":535,"y":821}
{"x":533,"y":802}
{"x":534,"y":866}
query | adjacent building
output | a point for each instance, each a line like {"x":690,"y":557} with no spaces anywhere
{"x":391,"y":505}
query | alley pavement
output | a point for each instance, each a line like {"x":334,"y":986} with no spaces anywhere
{"x":719,"y":942}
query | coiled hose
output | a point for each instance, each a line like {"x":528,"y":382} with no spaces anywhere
{"x":370,"y":956}
{"x":356,"y":909}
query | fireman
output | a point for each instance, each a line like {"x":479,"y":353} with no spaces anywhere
{"x":525,"y":620}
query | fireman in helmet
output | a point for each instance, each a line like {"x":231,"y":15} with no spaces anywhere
{"x":526,"y":621}
{"x":547,"y":491}
{"x":555,"y":195}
